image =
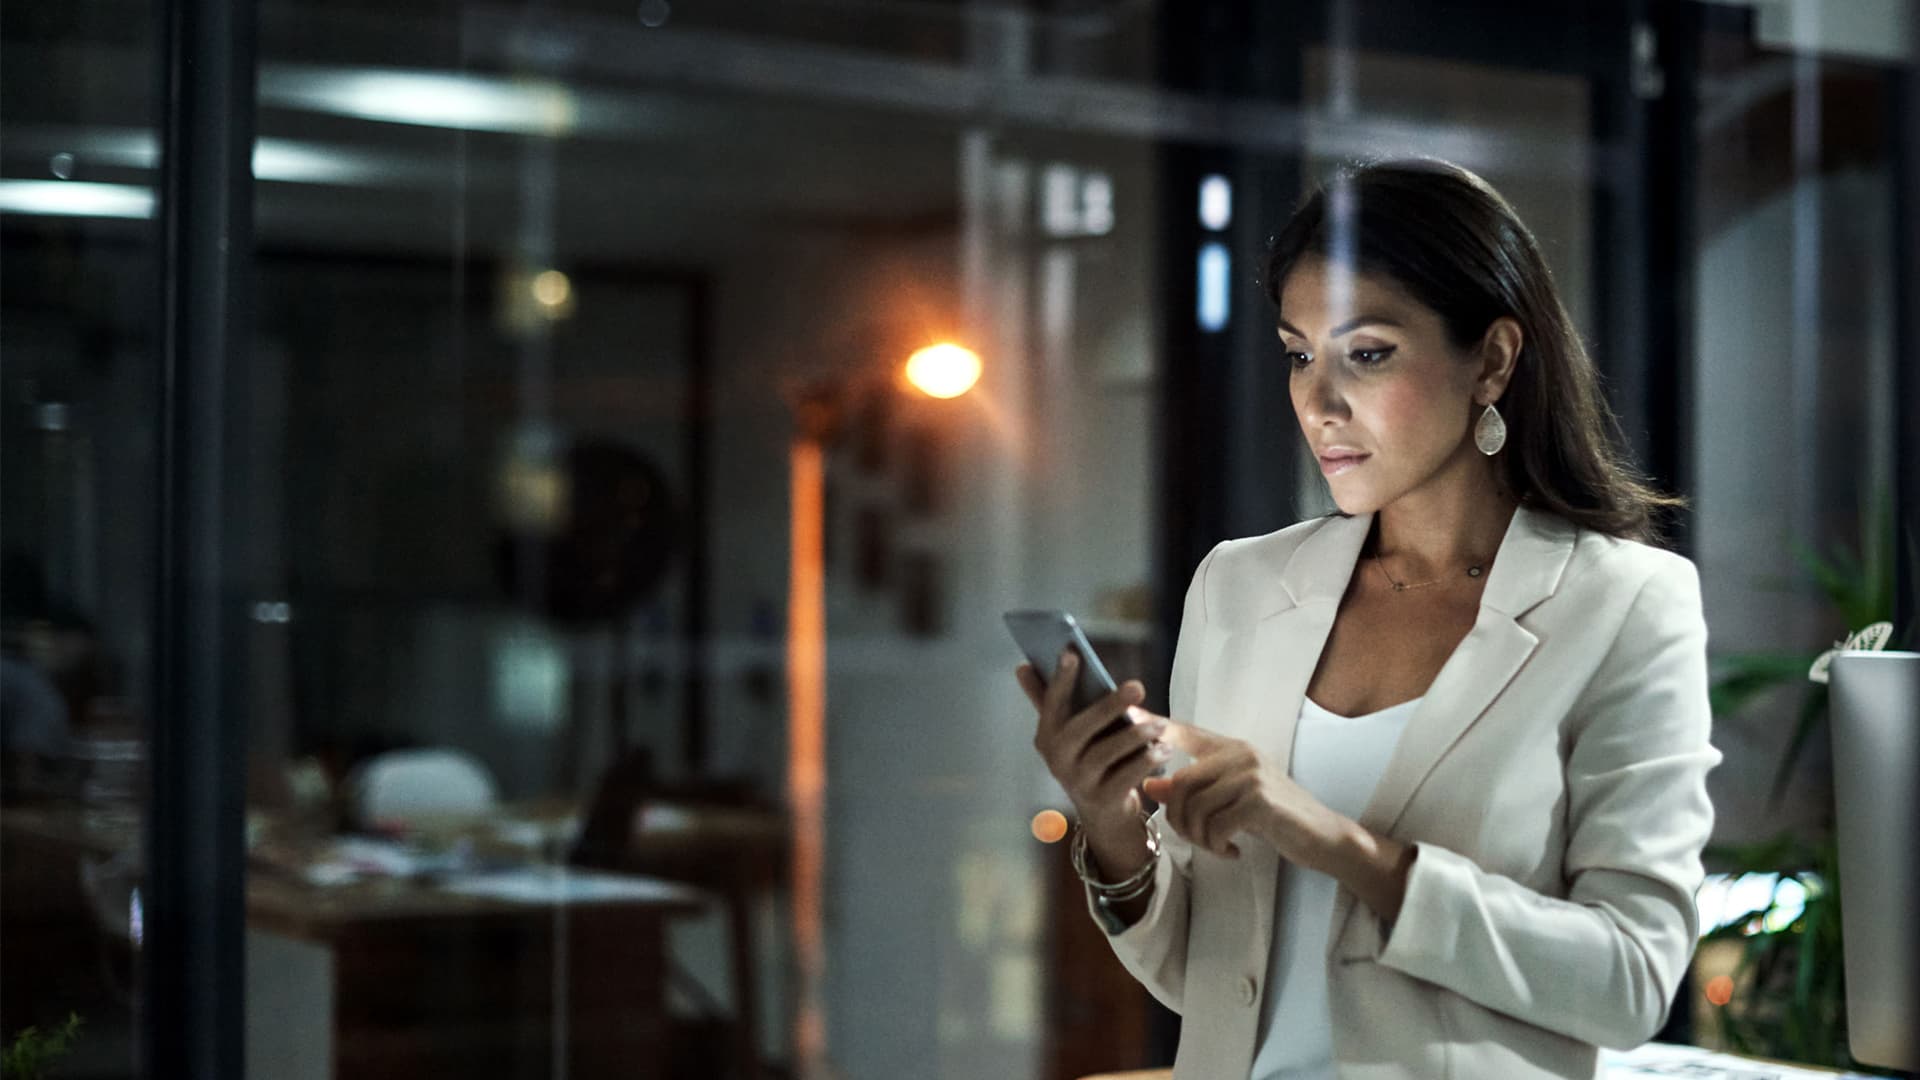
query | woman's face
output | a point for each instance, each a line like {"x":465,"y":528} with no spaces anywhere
{"x":1383,"y":397}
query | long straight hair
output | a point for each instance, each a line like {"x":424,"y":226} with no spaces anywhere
{"x":1453,"y":243}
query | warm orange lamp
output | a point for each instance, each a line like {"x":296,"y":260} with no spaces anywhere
{"x":944,"y":371}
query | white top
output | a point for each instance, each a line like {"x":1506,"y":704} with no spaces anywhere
{"x":1340,"y":760}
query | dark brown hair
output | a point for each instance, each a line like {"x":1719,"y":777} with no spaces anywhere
{"x":1453,"y":243}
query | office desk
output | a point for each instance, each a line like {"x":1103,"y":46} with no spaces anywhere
{"x":739,"y":856}
{"x":423,"y":982}
{"x":399,"y":978}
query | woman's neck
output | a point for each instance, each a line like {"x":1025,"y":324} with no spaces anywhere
{"x":1445,"y":527}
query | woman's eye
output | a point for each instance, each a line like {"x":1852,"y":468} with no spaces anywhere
{"x":1369,"y":357}
{"x":1297,"y":359}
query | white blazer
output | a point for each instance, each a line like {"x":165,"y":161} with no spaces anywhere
{"x":1553,"y":781}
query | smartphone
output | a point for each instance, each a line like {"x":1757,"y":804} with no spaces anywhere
{"x":1043,"y":636}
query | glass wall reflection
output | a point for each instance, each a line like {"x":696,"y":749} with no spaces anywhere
{"x":78,"y":427}
{"x":627,"y":692}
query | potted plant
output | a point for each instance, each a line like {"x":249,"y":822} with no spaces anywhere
{"x":1788,"y":995}
{"x":32,"y":1053}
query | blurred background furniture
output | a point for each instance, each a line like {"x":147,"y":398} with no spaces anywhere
{"x":716,"y":837}
{"x":510,"y":968}
{"x":432,"y":982}
{"x":435,"y":784}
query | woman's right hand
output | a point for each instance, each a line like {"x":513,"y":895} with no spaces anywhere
{"x":1100,"y":769}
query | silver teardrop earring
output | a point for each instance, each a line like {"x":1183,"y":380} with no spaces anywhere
{"x":1490,"y":434}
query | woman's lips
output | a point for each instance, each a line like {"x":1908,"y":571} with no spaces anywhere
{"x":1335,"y":464}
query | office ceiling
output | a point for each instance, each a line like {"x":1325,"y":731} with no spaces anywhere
{"x":421,"y":126}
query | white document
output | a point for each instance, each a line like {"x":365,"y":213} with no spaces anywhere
{"x":560,"y":885}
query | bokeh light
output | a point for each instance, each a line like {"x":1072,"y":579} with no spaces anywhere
{"x":551,"y":289}
{"x":1049,"y":826}
{"x":1719,"y":989}
{"x":945,"y":370}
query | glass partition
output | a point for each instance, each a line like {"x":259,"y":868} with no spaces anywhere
{"x":651,"y":409}
{"x":78,"y":443}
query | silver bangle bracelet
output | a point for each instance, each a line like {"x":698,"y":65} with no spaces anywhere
{"x":1136,"y":883}
{"x":1142,"y":889}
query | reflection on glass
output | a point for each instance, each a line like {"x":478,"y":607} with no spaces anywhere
{"x":75,"y":198}
{"x":78,"y":452}
{"x":622,"y":569}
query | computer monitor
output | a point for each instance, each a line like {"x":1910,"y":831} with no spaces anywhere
{"x":1874,"y":714}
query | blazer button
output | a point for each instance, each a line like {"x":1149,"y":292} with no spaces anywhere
{"x":1247,"y":989}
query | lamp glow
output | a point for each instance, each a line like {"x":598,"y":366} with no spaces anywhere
{"x":76,"y":198}
{"x":944,"y":370}
{"x":430,"y":98}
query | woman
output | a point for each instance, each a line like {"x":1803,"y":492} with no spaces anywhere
{"x":1448,"y":747}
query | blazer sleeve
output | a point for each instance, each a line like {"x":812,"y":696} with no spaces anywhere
{"x":1603,"y":964}
{"x":1154,"y":949}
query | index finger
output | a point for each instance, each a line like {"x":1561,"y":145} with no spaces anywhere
{"x":1197,"y":742}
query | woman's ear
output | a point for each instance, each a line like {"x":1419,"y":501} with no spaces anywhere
{"x":1499,"y":349}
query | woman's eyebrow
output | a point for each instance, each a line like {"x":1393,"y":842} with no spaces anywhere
{"x":1347,"y":327}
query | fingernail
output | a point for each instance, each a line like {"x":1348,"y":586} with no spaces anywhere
{"x":1070,"y":661}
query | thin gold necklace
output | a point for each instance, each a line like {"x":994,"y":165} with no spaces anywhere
{"x":1473,"y":571}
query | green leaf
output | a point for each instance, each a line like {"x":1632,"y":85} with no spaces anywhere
{"x":1814,"y":915}
{"x":1837,"y":575}
{"x":1781,"y":853}
{"x":30,"y":1053}
{"x":1879,"y":544}
{"x":1813,"y":713}
{"x":1742,"y":677}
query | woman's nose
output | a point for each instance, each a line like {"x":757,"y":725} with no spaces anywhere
{"x":1318,"y":398}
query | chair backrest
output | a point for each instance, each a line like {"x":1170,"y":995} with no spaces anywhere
{"x":411,"y":786}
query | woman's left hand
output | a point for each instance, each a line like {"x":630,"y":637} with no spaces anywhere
{"x":1230,"y":788}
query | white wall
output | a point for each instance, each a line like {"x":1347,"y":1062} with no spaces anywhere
{"x":932,"y":924}
{"x":1792,"y":374}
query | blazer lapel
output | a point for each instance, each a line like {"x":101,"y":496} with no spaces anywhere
{"x":1269,"y":679}
{"x":1526,"y":570}
{"x":1286,"y":644}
